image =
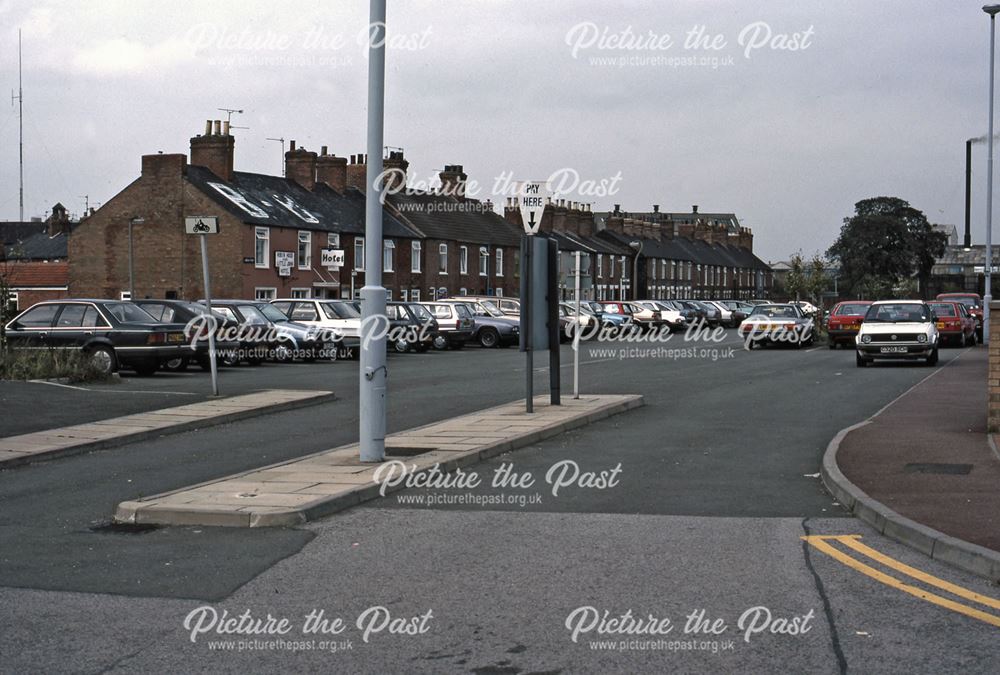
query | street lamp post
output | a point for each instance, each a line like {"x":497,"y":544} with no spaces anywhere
{"x":373,"y":375}
{"x":988,"y":263}
{"x":131,"y":266}
{"x":637,"y":247}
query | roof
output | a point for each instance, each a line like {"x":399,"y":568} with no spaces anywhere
{"x":445,"y":217}
{"x":259,"y":199}
{"x":38,"y":246}
{"x":730,"y":220}
{"x":694,"y":250}
{"x":975,"y":255}
{"x":32,"y":274}
{"x":13,"y":231}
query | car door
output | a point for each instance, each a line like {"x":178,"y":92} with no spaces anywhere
{"x":31,"y":330}
{"x":68,"y":331}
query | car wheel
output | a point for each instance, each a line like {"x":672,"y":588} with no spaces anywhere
{"x":146,"y":369}
{"x":104,"y":360}
{"x":972,"y":339}
{"x":440,"y":342}
{"x":861,"y":361}
{"x":401,"y":346}
{"x":177,"y":365}
{"x":489,"y":338}
{"x":283,"y":353}
{"x":932,"y":360}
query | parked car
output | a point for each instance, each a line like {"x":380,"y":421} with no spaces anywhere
{"x":493,"y":327}
{"x":897,"y":329}
{"x":606,"y":318}
{"x":183,"y":311}
{"x":845,"y":321}
{"x":973,"y":302}
{"x":113,"y":333}
{"x":727,"y":316}
{"x":701,"y":312}
{"x":777,"y":324}
{"x":429,"y":328}
{"x":338,"y":316}
{"x":508,"y":306}
{"x":954,"y":323}
{"x":667,"y":316}
{"x":281,"y":339}
{"x":455,"y":323}
{"x":690,"y":315}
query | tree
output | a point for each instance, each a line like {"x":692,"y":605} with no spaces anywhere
{"x":817,"y":280}
{"x":885,"y":242}
{"x":795,"y":280}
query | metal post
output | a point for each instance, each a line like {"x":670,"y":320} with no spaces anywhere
{"x":529,"y":354}
{"x":131,"y":269}
{"x":208,"y":305}
{"x":576,"y":334}
{"x":988,"y":263}
{"x":551,"y":296}
{"x":373,"y":375}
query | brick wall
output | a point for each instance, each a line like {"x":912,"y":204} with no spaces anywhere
{"x":993,"y":376}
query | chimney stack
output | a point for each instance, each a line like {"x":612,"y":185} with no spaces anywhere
{"x":331,"y":170}
{"x":300,"y":166}
{"x":694,"y":209}
{"x":214,"y":151}
{"x":453,"y":181}
{"x":357,"y":172}
{"x":394,"y":168}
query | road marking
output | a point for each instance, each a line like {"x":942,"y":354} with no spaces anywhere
{"x":116,"y":391}
{"x":821,"y":543}
{"x":58,"y":384}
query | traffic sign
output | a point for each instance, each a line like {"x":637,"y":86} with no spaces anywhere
{"x":201,"y":225}
{"x":531,"y":202}
{"x":332,"y":257}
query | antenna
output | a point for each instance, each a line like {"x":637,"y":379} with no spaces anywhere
{"x":229,"y":113}
{"x":282,"y":141}
{"x":20,"y":133}
{"x":86,"y":203}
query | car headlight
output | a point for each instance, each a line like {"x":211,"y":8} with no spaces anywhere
{"x":922,"y":338}
{"x":866,"y":338}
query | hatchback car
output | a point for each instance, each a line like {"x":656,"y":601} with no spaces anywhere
{"x":845,"y":321}
{"x":337,"y":316}
{"x":973,"y":302}
{"x":114,"y":334}
{"x":898,"y":330}
{"x":455,"y":323}
{"x":267,"y":333}
{"x":954,"y":323}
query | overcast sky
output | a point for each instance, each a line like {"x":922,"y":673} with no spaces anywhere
{"x":879,"y":101}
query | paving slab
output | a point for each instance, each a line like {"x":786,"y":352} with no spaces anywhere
{"x":314,"y":486}
{"x":79,"y":438}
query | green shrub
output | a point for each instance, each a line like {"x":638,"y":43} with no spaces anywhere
{"x":42,"y":364}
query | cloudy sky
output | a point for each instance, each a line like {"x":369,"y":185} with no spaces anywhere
{"x":878,"y":98}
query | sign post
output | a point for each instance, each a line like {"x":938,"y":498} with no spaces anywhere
{"x":531,"y":202}
{"x":204,"y":226}
{"x":577,"y":273}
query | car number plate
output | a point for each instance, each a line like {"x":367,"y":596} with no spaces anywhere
{"x":893,"y":350}
{"x":940,"y":325}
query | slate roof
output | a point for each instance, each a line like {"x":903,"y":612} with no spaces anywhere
{"x":730,"y":220}
{"x":694,"y":250}
{"x":957,"y":255}
{"x":444,"y":217}
{"x":276,"y":201}
{"x":39,"y":246}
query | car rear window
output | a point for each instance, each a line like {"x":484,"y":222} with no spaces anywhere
{"x":943,"y":309}
{"x":851,"y":310}
{"x":127,"y":312}
{"x":463,"y":311}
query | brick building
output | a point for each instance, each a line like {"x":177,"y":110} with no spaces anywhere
{"x":434,"y":244}
{"x":33,"y":259}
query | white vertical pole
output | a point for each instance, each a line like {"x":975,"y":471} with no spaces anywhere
{"x":576,"y":334}
{"x":208,"y":305}
{"x":373,"y":376}
{"x":988,"y":263}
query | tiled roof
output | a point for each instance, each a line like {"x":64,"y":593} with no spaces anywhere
{"x":35,"y":274}
{"x":444,"y":217}
{"x":695,"y":250}
{"x":259,"y":199}
{"x":957,"y":255}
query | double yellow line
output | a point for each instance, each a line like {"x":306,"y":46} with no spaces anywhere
{"x":851,"y":541}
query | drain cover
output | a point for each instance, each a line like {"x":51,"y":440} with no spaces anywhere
{"x":933,"y":467}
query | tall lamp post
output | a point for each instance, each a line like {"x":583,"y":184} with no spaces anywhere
{"x":131,"y":266}
{"x":373,"y":376}
{"x":637,"y":247}
{"x":988,"y":263}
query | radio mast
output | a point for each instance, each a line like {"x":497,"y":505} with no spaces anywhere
{"x":20,"y":131}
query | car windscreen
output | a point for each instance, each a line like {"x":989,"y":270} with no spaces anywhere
{"x":897,"y":313}
{"x":271,"y":313}
{"x":851,"y":310}
{"x":339,"y":310}
{"x":126,"y":312}
{"x":463,"y":311}
{"x":943,"y":309}
{"x":252,"y":314}
{"x":776,"y":312}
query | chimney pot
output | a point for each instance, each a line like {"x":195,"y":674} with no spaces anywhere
{"x":618,"y":208}
{"x":218,"y":127}
{"x":208,"y":127}
{"x":656,"y":208}
{"x":225,"y":128}
{"x":694,"y":209}
{"x":291,"y":146}
{"x":322,"y":151}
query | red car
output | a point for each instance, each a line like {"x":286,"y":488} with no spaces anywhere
{"x":954,"y":323}
{"x":973,"y":302}
{"x":844,"y":321}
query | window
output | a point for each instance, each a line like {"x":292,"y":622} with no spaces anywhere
{"x":264,"y":293}
{"x":404,"y":295}
{"x":430,"y":293}
{"x":653,"y":265}
{"x":463,"y":291}
{"x":262,"y":246}
{"x":359,"y":253}
{"x":442,"y":262}
{"x":484,"y":261}
{"x":415,"y":295}
{"x":12,"y":301}
{"x":300,"y":292}
{"x":463,"y":259}
{"x":303,"y":311}
{"x":611,"y":264}
{"x":71,"y":316}
{"x":388,"y":295}
{"x":600,"y":265}
{"x":499,"y":263}
{"x":414,"y":256}
{"x":388,"y":246}
{"x":499,"y":292}
{"x":333,"y":240}
{"x":305,"y":250}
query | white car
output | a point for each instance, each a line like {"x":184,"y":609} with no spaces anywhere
{"x":669,"y":316}
{"x":325,"y":314}
{"x":898,"y":330}
{"x":777,"y":324}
